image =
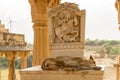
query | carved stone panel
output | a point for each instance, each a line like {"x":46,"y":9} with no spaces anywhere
{"x":66,"y":24}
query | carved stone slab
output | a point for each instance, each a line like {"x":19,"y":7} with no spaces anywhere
{"x":35,"y":73}
{"x":66,"y":24}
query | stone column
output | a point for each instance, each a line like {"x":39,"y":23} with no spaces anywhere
{"x":1,"y":54}
{"x":23,"y":56}
{"x":117,"y":6}
{"x":82,"y":31}
{"x":117,"y":66}
{"x":10,"y":57}
{"x":39,"y":18}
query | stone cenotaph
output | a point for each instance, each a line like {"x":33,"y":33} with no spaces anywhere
{"x":66,"y":26}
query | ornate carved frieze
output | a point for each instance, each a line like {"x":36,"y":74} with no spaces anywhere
{"x":65,"y":23}
{"x":66,"y":46}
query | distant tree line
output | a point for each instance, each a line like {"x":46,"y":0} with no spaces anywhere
{"x":111,"y":47}
{"x":98,"y":42}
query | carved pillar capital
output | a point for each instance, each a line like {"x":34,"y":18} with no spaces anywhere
{"x":52,"y":3}
{"x":40,"y":23}
{"x":117,"y":3}
{"x":10,"y":55}
{"x":117,"y":6}
{"x":24,"y":53}
{"x":38,"y":10}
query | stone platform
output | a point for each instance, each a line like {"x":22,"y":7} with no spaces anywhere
{"x":35,"y":73}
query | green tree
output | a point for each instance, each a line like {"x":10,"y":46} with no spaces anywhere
{"x":115,"y":51}
{"x":29,"y":60}
{"x":4,"y":62}
{"x":90,"y":42}
{"x":114,"y":42}
{"x":108,"y":49}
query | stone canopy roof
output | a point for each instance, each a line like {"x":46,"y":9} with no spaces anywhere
{"x":15,"y":48}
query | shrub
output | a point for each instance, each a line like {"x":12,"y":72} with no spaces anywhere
{"x":115,"y":51}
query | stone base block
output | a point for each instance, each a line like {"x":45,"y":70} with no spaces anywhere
{"x":67,"y":49}
{"x":35,"y":73}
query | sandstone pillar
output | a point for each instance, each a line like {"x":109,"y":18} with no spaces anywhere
{"x":23,"y":56}
{"x":10,"y":57}
{"x":117,"y":66}
{"x":117,"y":6}
{"x":39,"y":18}
{"x":1,"y":54}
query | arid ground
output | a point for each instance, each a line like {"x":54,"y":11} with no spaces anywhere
{"x":109,"y":73}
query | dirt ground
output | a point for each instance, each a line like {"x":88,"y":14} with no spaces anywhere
{"x":109,"y":72}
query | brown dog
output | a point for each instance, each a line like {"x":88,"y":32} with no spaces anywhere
{"x":69,"y":63}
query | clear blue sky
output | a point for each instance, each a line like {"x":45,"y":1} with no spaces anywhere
{"x":101,"y":18}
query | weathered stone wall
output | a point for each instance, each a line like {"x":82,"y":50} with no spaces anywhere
{"x":10,"y":39}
